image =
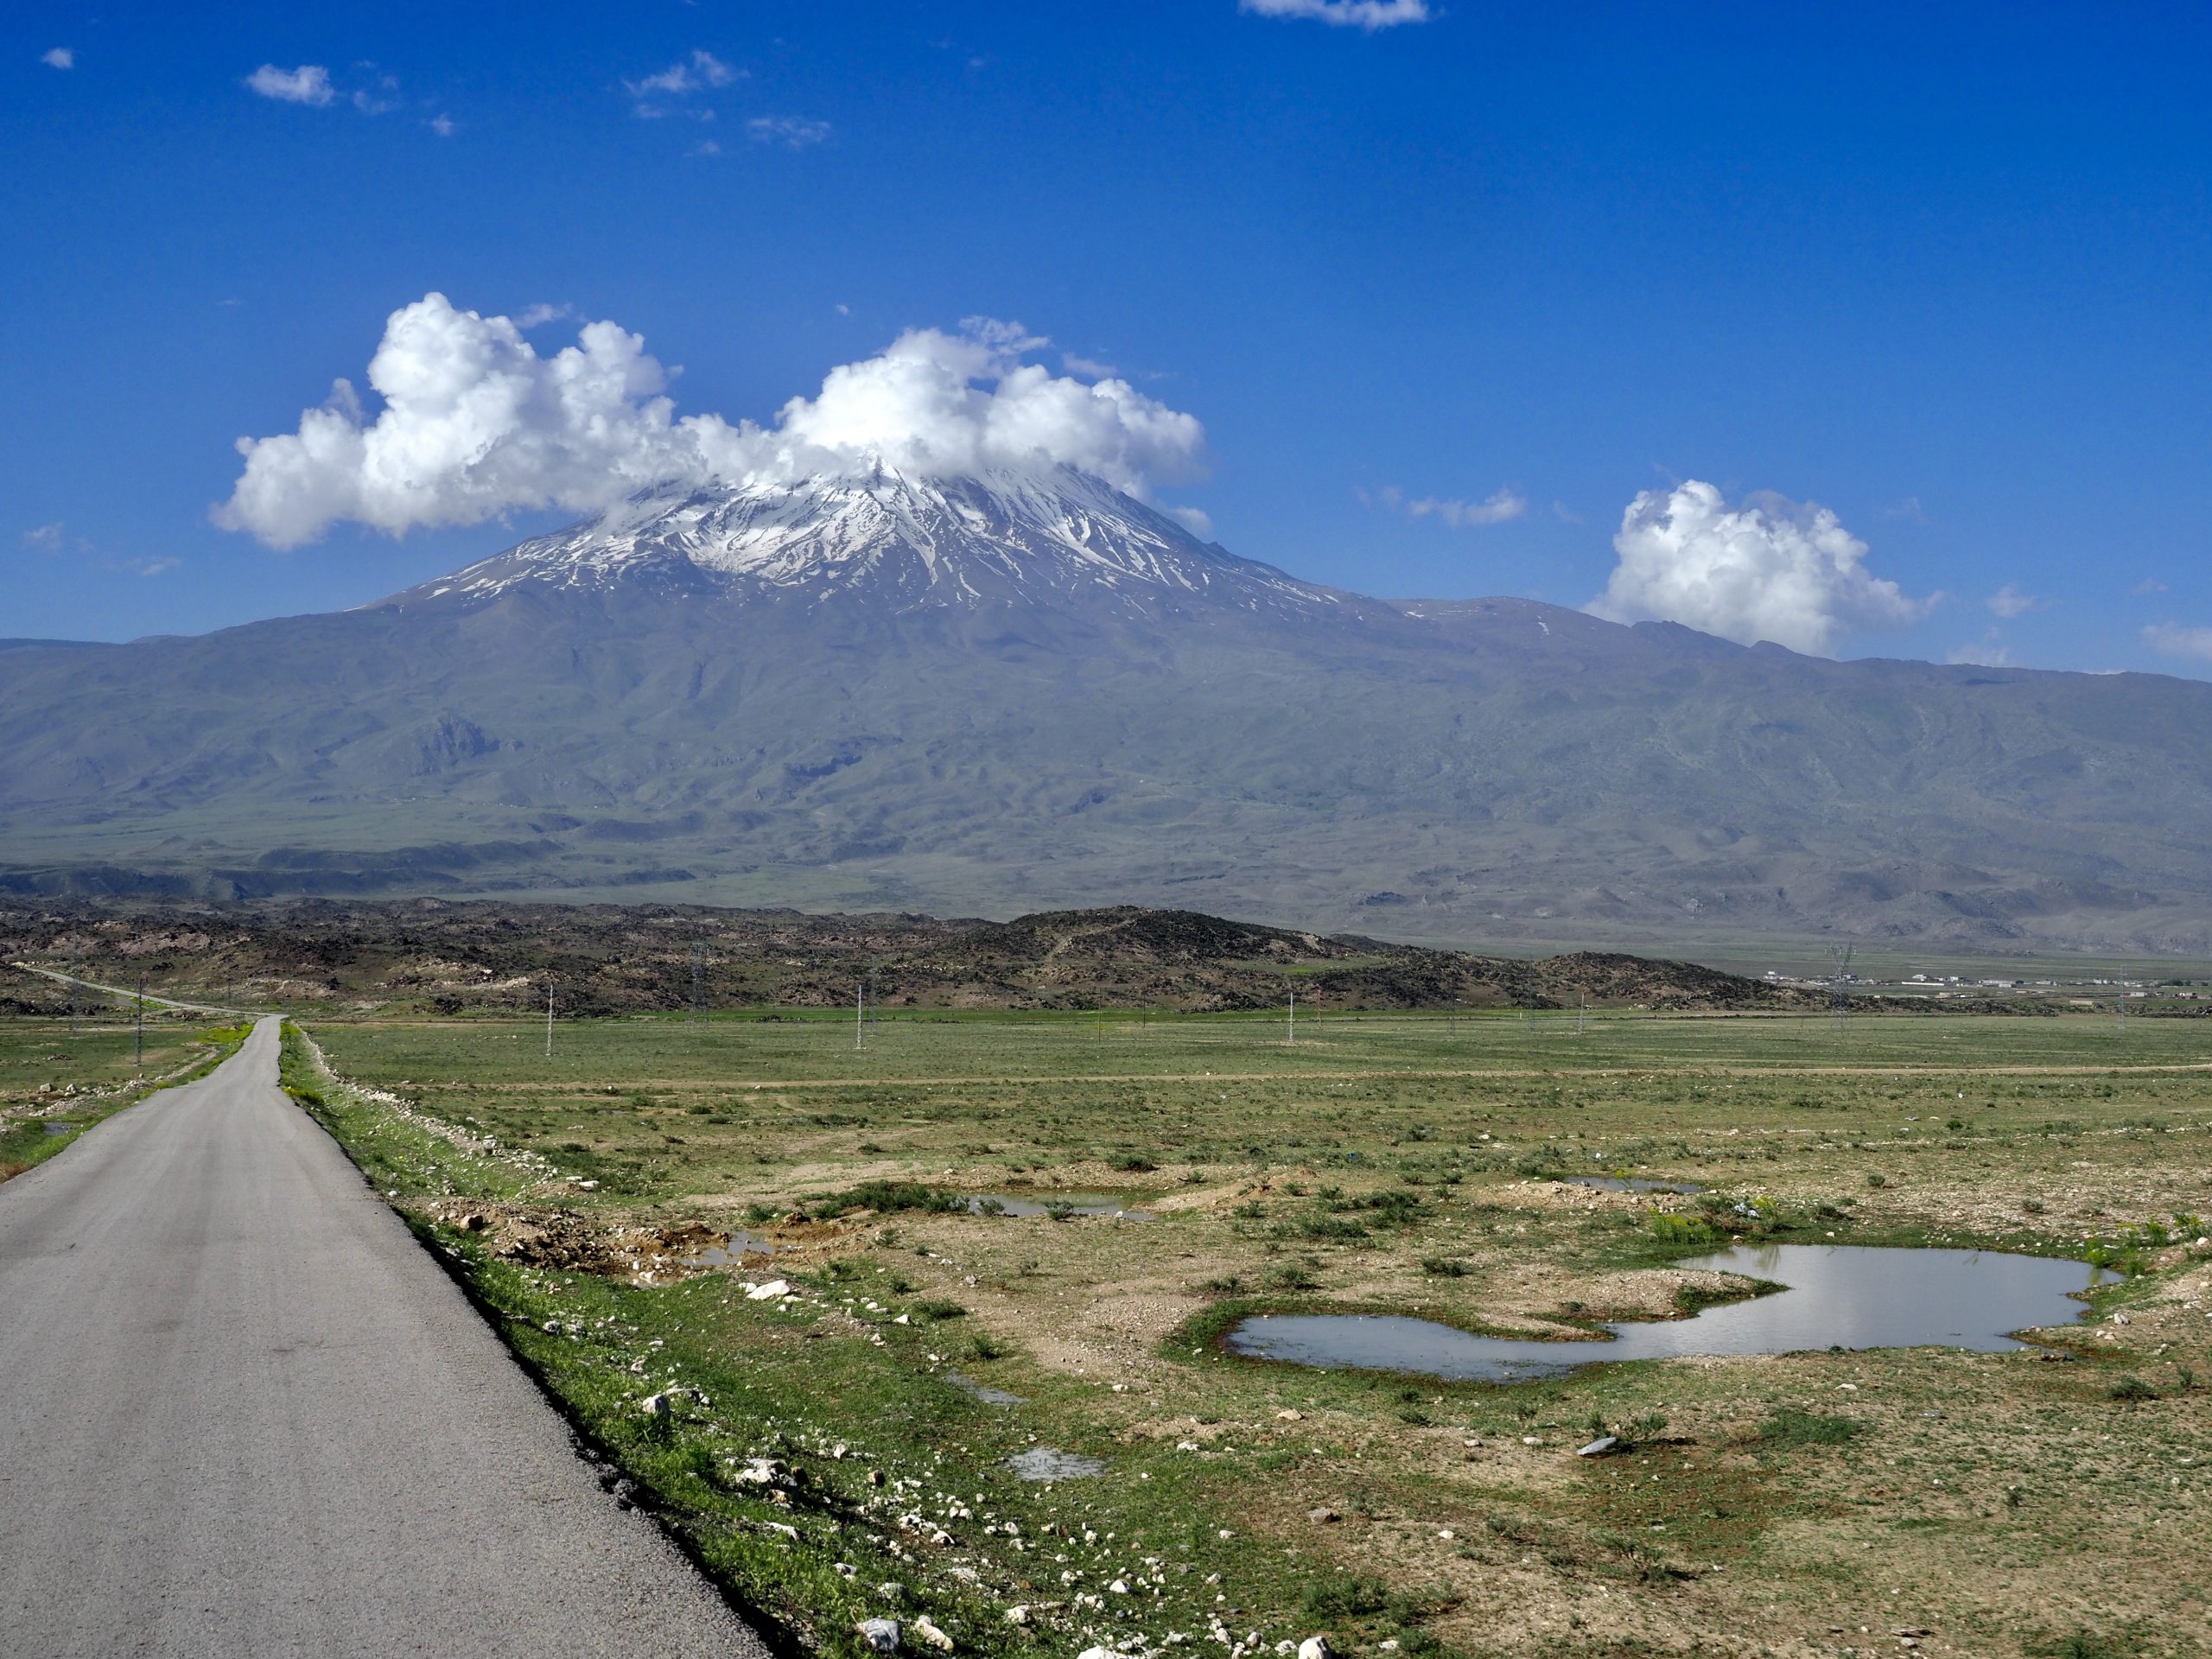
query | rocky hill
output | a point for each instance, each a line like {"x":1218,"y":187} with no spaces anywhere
{"x":435,"y":956}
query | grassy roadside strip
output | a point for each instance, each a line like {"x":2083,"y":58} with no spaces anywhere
{"x":820,"y":1451}
{"x":28,"y":1142}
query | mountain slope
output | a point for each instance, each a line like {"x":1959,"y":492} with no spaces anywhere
{"x":1019,"y":693}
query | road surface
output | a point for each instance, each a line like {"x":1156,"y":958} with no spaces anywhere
{"x":242,"y":1413}
{"x":119,"y":992}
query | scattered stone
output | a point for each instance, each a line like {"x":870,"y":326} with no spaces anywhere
{"x":758,"y":1471}
{"x":1018,"y":1614}
{"x":1323,"y":1515}
{"x":1599,"y":1447}
{"x":881,"y":1635}
{"x":892,"y":1591}
{"x":1316,"y":1647}
{"x":1290,"y":1416}
{"x":929,"y":1633}
{"x":769,"y":1292}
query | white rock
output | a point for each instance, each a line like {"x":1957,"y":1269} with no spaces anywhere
{"x":1018,"y":1614}
{"x":1599,"y":1447}
{"x":1316,"y":1647}
{"x":881,"y":1635}
{"x":929,"y":1633}
{"x":767,"y":1293}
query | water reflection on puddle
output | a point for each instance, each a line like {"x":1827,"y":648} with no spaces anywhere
{"x":1002,"y":1204}
{"x":1837,"y":1295}
{"x":1632,"y":1184}
{"x":730,"y":1253}
{"x":1047,"y":1462}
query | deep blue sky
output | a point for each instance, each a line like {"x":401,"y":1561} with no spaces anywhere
{"x":1944,"y":270}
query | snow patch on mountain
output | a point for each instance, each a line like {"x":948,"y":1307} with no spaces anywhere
{"x":882,"y":531}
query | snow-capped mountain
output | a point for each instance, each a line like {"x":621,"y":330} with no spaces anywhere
{"x":897,"y":538}
{"x":1026,"y":690}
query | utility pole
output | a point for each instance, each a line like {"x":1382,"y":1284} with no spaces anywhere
{"x":139,"y":1034}
{"x":548,"y":1018}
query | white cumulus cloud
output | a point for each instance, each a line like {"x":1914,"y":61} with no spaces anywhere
{"x":691,"y":74}
{"x":474,"y":423}
{"x":308,"y":84}
{"x":2009,"y":601}
{"x":1369,"y":15}
{"x":1496,"y":508}
{"x":61,"y":57}
{"x":1988,"y":651}
{"x":1768,"y":569}
{"x":793,"y":131}
{"x":2173,"y":639}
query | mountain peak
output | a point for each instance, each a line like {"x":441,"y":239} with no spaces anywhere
{"x":897,"y":536}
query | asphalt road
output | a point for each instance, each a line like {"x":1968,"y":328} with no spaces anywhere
{"x":242,"y":1413}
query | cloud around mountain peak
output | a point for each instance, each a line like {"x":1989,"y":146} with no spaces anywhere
{"x":476,"y":424}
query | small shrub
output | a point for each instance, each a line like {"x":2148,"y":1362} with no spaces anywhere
{"x":889,"y":1198}
{"x":1876,"y":1179}
{"x":1790,"y":1426}
{"x":1444,"y":1267}
{"x":1131,"y":1163}
{"x":1353,"y":1598}
{"x":2131,"y":1390}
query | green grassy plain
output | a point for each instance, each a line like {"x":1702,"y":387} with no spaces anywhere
{"x":2043,"y":1501}
{"x":57,"y":1080}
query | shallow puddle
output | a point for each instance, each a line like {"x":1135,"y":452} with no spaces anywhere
{"x":982,"y":1391}
{"x":1632,"y":1184}
{"x":730,"y":1253}
{"x":1047,"y":1462}
{"x":1003,"y":1204}
{"x":1837,"y":1295}
{"x":61,"y":1129}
